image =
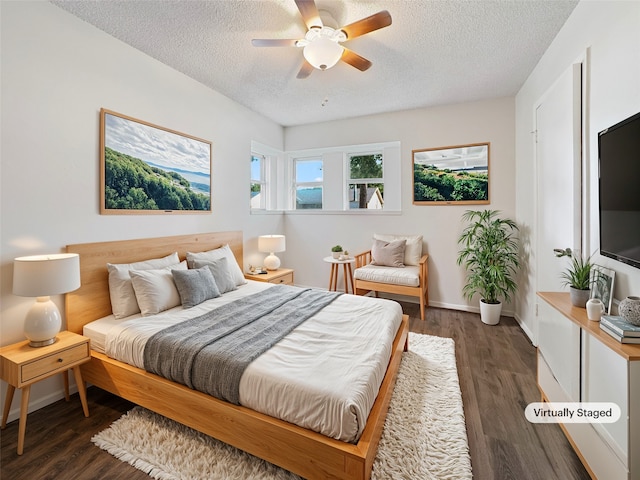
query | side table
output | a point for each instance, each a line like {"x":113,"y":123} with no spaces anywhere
{"x":281,"y":275}
{"x":22,"y":365}
{"x":348,"y":273}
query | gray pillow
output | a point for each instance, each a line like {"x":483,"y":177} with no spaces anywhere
{"x":388,"y":254}
{"x":221,"y":274}
{"x":195,"y":286}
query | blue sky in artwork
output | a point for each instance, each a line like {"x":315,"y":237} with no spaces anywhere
{"x":157,"y":146}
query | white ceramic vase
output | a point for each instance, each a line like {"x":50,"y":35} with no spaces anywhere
{"x":595,"y":309}
{"x":629,"y":309}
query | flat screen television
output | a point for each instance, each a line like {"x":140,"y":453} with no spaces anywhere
{"x":619,"y":166}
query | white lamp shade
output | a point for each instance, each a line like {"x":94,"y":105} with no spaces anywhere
{"x":323,"y":53}
{"x":44,"y":275}
{"x":271,"y":243}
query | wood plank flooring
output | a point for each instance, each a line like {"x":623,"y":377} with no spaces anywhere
{"x":496,"y":366}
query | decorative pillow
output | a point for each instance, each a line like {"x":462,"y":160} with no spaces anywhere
{"x":413,"y":250}
{"x":195,"y":286}
{"x":155,"y":289}
{"x":388,"y":254}
{"x":211,"y":255}
{"x":221,"y":274}
{"x":123,"y":298}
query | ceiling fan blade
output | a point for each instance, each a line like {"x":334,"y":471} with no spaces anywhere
{"x":309,"y":13}
{"x":355,"y":60}
{"x":273,"y":42}
{"x":374,"y":22}
{"x":305,"y":70}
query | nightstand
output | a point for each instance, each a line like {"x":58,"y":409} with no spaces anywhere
{"x":281,"y":275}
{"x":22,"y":365}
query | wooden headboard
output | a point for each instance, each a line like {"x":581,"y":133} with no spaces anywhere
{"x":91,"y":301}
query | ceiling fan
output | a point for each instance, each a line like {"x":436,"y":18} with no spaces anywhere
{"x":322,"y":45}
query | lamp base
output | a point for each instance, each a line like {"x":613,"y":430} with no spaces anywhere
{"x":271,"y":262}
{"x":42,"y":343}
{"x":42,"y":323}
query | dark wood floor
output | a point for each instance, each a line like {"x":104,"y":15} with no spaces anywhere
{"x":496,"y":366}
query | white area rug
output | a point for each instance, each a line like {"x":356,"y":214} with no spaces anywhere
{"x":424,"y":435}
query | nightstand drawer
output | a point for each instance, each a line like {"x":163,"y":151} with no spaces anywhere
{"x":287,"y":279}
{"x":56,"y":361}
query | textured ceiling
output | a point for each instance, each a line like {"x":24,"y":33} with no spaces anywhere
{"x":435,"y":52}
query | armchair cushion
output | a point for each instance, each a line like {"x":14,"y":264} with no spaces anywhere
{"x":408,"y":276}
{"x":413,"y":248}
{"x":389,"y":254}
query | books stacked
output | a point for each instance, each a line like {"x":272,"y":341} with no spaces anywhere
{"x":620,"y":329}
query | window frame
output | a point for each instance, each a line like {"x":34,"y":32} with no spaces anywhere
{"x":308,"y":184}
{"x":358,"y":181}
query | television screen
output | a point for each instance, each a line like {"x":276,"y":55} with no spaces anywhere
{"x":619,"y":155}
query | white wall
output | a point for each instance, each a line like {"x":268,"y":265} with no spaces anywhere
{"x":57,"y":72}
{"x":607,"y":33}
{"x":487,"y":121}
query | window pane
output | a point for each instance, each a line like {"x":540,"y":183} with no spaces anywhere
{"x":363,"y":195}
{"x":366,"y":166}
{"x":256,"y":168}
{"x":308,"y":197}
{"x":308,"y":171}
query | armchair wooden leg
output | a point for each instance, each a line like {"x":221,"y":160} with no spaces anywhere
{"x":422,"y":308}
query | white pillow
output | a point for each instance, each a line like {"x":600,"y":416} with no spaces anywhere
{"x":413,"y":249}
{"x":222,"y":252}
{"x":123,"y":298}
{"x":155,"y":289}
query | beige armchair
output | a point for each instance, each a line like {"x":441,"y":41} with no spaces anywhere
{"x":410,"y":279}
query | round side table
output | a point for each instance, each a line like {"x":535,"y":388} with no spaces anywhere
{"x":348,"y":273}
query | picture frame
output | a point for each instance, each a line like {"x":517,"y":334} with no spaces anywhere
{"x":148,"y":169}
{"x":602,"y":281}
{"x":451,"y":175}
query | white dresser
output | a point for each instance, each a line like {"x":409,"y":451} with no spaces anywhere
{"x":578,"y":362}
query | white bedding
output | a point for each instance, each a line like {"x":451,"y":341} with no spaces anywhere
{"x":324,"y":376}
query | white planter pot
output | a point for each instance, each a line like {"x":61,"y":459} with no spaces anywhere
{"x":490,"y":312}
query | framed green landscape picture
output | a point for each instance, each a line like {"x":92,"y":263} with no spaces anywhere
{"x":451,"y":175}
{"x":147,"y":169}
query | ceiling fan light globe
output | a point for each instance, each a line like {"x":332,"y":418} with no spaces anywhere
{"x":323,"y":53}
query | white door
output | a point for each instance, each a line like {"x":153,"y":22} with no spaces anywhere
{"x":559,"y":172}
{"x":558,"y":119}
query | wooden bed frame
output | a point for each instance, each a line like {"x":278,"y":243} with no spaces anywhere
{"x":304,"y":452}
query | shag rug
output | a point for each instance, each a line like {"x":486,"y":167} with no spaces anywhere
{"x":424,"y":435}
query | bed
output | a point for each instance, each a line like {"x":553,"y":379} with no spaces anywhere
{"x":297,"y":449}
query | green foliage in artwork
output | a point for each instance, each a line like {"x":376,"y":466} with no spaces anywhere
{"x":131,"y":184}
{"x":431,"y":184}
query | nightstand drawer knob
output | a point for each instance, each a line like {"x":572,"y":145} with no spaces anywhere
{"x":60,"y":360}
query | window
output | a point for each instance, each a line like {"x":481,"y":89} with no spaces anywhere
{"x":365,"y":183}
{"x":307,"y":188}
{"x":258,"y":182}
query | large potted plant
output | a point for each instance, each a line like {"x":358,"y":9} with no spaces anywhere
{"x":577,"y":276}
{"x":490,"y":255}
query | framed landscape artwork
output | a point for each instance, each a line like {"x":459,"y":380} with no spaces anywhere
{"x":147,"y":169}
{"x":602,"y":285}
{"x":451,"y":175}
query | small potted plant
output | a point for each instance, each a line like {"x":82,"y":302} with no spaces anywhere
{"x":336,"y":251}
{"x":577,"y":276}
{"x":490,"y":255}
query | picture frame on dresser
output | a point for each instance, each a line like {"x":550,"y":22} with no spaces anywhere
{"x":602,"y":280}
{"x":148,"y":169}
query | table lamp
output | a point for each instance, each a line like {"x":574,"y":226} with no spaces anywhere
{"x":271,"y":244}
{"x":40,"y":276}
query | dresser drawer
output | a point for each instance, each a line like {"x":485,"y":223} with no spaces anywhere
{"x":288,"y":279}
{"x":57,"y":361}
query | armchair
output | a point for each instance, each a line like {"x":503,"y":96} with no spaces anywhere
{"x":411,"y":279}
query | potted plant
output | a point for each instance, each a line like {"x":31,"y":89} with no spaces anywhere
{"x":490,"y":255}
{"x":577,"y":276}
{"x":336,"y":251}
